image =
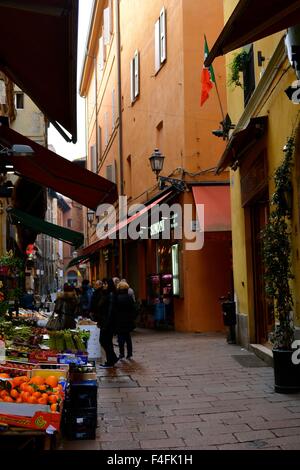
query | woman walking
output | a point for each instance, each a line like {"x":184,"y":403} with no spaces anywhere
{"x":107,"y":322}
{"x":125,"y":315}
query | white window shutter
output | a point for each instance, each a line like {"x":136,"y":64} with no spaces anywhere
{"x":106,"y":25}
{"x":157,"y":46}
{"x":111,"y":172}
{"x":99,"y":142}
{"x":93,"y":154}
{"x":101,"y":53}
{"x":113,"y":114}
{"x":162,"y":24}
{"x":106,"y":128}
{"x":136,"y":74}
{"x":111,"y":15}
{"x":132,"y":80}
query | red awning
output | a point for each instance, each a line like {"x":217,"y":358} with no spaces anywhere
{"x":49,"y":169}
{"x":216,"y":200}
{"x":253,"y":20}
{"x":112,"y":232}
{"x":38,"y":52}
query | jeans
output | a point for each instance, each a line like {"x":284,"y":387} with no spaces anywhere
{"x":123,"y":339}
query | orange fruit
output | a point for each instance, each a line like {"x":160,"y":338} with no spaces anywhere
{"x":32,"y":400}
{"x":52,"y":381}
{"x":19,"y":400}
{"x":4,"y":376}
{"x":42,"y":387}
{"x":14,"y":393}
{"x":37,"y":380}
{"x":53,"y":407}
{"x":52,"y":399}
{"x":25,"y":396}
{"x":45,"y":396}
{"x":43,"y":401}
{"x":37,"y":394}
{"x":8,"y":399}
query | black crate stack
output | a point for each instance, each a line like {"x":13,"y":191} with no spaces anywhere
{"x":79,"y":420}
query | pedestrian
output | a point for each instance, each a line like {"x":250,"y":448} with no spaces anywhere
{"x":67,"y":308}
{"x":85,"y":298}
{"x":125,"y":316}
{"x":107,"y":322}
{"x":96,"y":300}
{"x":27,"y":300}
{"x":130,"y":290}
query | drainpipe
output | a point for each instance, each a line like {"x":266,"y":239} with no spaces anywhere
{"x":96,"y":115}
{"x":120,"y":133}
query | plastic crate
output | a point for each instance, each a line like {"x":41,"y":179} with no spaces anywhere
{"x":80,"y":423}
{"x":82,"y":395}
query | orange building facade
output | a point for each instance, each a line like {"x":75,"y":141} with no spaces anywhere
{"x":141,"y":78}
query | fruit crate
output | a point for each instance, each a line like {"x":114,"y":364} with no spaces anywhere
{"x":79,"y":424}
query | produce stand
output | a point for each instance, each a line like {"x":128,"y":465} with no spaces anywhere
{"x":28,"y":439}
{"x":31,"y":405}
{"x":33,"y":355}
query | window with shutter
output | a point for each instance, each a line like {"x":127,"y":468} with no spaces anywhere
{"x":113,"y":111}
{"x":160,"y":40}
{"x":102,"y":51}
{"x":94,"y":160}
{"x":106,"y":128}
{"x":135,"y":77}
{"x":99,"y":143}
{"x":162,"y":24}
{"x":111,"y":172}
{"x":106,"y":25}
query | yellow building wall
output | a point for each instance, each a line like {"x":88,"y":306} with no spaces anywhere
{"x":282,"y":115}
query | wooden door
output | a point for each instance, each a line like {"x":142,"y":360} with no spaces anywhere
{"x":263,"y":311}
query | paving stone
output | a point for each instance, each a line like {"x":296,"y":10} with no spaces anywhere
{"x":199,"y":400}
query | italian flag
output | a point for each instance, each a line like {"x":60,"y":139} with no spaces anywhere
{"x":207,"y":77}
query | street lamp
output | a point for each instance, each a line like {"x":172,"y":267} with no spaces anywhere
{"x":156,"y":162}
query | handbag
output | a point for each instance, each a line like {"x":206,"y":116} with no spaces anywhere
{"x":54,"y":322}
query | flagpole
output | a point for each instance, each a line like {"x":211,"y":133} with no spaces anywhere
{"x":214,"y":80}
{"x":219,"y":99}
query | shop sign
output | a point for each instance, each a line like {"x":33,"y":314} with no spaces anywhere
{"x":158,"y":227}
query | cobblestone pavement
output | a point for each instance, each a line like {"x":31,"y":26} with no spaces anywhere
{"x":191,"y":391}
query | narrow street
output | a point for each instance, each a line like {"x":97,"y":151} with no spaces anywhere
{"x":191,"y":391}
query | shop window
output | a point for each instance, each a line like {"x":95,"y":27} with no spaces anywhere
{"x":69,"y":223}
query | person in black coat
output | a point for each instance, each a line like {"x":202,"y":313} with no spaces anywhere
{"x":125,"y":316}
{"x":106,"y":320}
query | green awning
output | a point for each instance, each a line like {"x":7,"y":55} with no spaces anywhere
{"x":77,"y":260}
{"x":42,"y":226}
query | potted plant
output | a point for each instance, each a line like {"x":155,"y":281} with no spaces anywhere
{"x":10,"y":263}
{"x":277,"y":246}
{"x":237,"y":66}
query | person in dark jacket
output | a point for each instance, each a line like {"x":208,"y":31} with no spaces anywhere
{"x":66,"y":306}
{"x":125,"y":316}
{"x":86,"y":298}
{"x":107,"y":322}
{"x":96,"y":300}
